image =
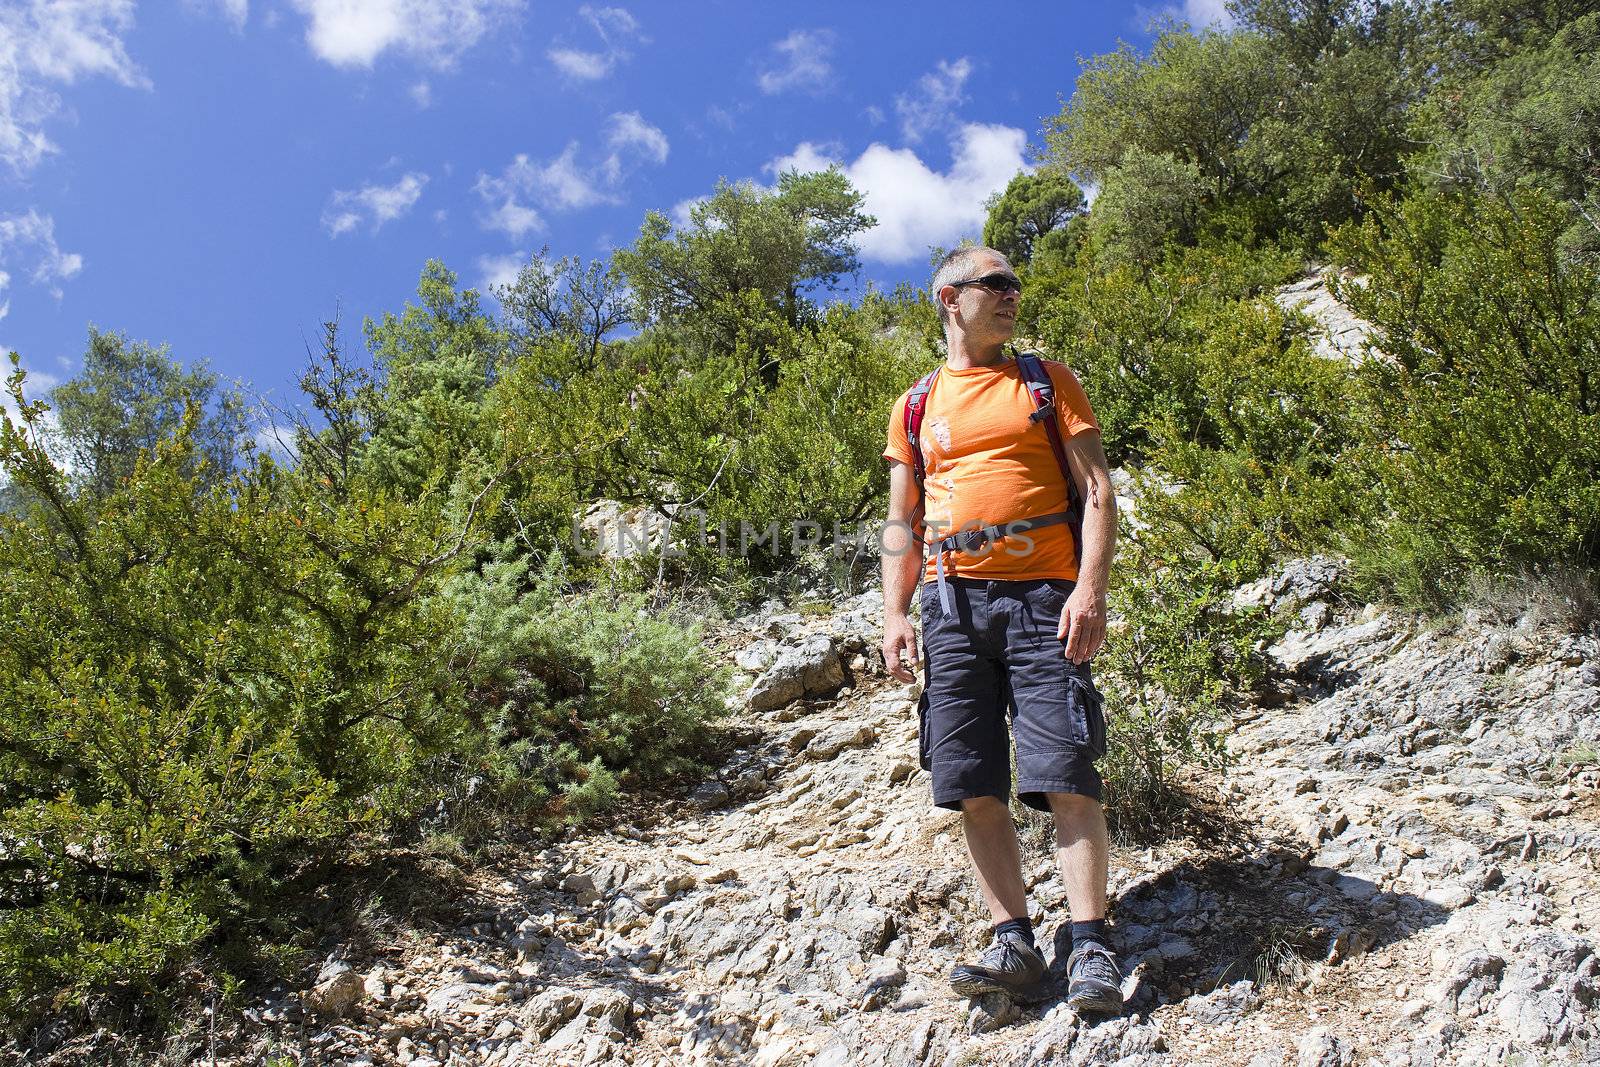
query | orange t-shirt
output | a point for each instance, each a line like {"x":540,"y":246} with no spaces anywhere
{"x":987,"y":464}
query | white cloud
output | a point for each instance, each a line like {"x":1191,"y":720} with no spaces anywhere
{"x":50,"y":42}
{"x":512,"y":218}
{"x":566,"y":186}
{"x":422,"y":94}
{"x":1200,"y":14}
{"x":373,"y":205}
{"x":680,"y":213}
{"x":31,"y":239}
{"x":1207,"y":13}
{"x":276,"y":441}
{"x":613,"y":24}
{"x":916,"y":206}
{"x":584,"y":66}
{"x":498,"y":271}
{"x":806,"y":158}
{"x":237,"y":12}
{"x":569,"y":181}
{"x":932,"y":103}
{"x":354,"y":33}
{"x":804,"y":62}
{"x":617,"y":29}
{"x":629,"y":131}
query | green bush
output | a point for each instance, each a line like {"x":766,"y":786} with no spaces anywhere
{"x":1139,"y":340}
{"x":209,"y":685}
{"x":1483,"y":421}
{"x":1178,"y":656}
{"x":581,"y":693}
{"x":1524,"y":118}
{"x":786,"y":425}
{"x":1147,"y":201}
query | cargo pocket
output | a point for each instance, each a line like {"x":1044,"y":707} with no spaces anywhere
{"x":922,"y":732}
{"x":1087,"y":713}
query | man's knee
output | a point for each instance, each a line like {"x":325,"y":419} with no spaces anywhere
{"x":985,"y":808}
{"x":1073,"y":805}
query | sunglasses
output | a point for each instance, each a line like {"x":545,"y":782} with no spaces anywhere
{"x":995,"y":283}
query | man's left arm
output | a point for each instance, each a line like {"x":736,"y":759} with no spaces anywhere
{"x":1083,"y":618}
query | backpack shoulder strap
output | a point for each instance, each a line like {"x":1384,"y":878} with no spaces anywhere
{"x":916,"y":408}
{"x":1036,"y":376}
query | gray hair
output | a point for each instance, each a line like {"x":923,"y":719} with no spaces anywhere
{"x":953,"y":268}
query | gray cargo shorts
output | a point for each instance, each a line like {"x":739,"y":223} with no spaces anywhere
{"x":999,"y":654}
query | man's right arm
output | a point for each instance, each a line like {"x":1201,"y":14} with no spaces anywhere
{"x":902,"y":568}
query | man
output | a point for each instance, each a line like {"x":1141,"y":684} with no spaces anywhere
{"x":1009,"y":623}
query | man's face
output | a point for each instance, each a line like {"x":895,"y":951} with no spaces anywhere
{"x":981,"y":314}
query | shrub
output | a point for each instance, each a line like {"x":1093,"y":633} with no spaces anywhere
{"x":788,"y":425}
{"x":1484,"y":420}
{"x":1140,"y":341}
{"x":1178,"y":655}
{"x":208,"y":686}
{"x":1148,"y":200}
{"x":582,"y":694}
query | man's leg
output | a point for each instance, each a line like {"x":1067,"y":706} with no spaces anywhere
{"x":966,"y":747}
{"x":1059,"y":728}
{"x":992,"y":844}
{"x":1011,"y":963}
{"x":1081,"y":848}
{"x":1093,"y":978}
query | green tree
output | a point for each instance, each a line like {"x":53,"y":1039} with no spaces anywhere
{"x":435,"y":363}
{"x":568,"y":299}
{"x":211,"y":687}
{"x":1484,"y":422}
{"x":131,"y":395}
{"x":1032,"y":215}
{"x":1308,"y":31}
{"x":1528,"y":121}
{"x":779,"y":243}
{"x":1519,"y":22}
{"x":1148,"y":202}
{"x":1283,"y":123}
{"x":206,"y":682}
{"x":1193,"y":99}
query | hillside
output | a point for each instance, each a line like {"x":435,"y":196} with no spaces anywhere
{"x":1398,"y":872}
{"x":355,"y":746}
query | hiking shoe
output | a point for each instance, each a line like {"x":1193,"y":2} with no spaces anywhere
{"x":1009,"y":965}
{"x":1094,"y":983}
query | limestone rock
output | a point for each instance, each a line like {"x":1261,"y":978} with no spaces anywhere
{"x":1319,"y":1048}
{"x":831,"y":742}
{"x":882,"y":983}
{"x":466,"y":998}
{"x":338,"y":991}
{"x":990,"y":1012}
{"x":811,"y":668}
{"x":1475,"y":976}
{"x":1225,"y":1006}
{"x":1338,"y":333}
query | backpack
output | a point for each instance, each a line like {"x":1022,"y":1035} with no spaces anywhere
{"x":1042,"y":390}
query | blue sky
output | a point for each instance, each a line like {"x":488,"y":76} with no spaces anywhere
{"x":222,"y":175}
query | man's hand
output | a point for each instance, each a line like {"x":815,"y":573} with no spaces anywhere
{"x":900,"y":648}
{"x":1083,"y":623}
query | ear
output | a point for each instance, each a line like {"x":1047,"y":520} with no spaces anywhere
{"x":954,"y":299}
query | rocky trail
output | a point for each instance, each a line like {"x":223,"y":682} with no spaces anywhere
{"x":1399,"y":871}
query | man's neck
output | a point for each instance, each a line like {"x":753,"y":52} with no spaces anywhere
{"x":964,"y":355}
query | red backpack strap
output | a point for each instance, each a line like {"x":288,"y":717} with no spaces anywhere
{"x":1043,"y":391}
{"x":916,"y":408}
